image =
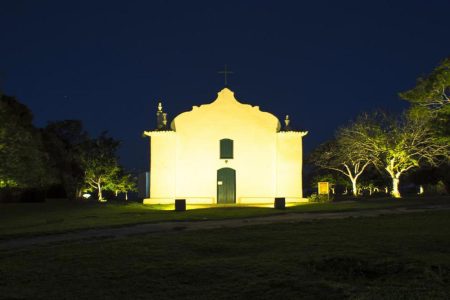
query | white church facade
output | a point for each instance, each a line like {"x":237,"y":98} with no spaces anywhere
{"x":224,"y":152}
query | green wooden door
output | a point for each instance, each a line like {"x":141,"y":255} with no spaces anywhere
{"x":226,"y":186}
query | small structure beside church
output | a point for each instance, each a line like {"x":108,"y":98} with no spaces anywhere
{"x":222,"y":153}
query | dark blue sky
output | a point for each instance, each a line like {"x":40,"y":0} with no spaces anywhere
{"x":108,"y":62}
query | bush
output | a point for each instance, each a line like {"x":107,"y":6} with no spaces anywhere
{"x":9,"y":195}
{"x":21,"y":195}
{"x":315,"y":198}
{"x":32,"y":195}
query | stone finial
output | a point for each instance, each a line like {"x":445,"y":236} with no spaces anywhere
{"x":161,"y":118}
{"x":287,"y":121}
{"x":287,"y":124}
{"x":164,"y":119}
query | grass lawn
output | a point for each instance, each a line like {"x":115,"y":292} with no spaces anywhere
{"x":61,"y":215}
{"x":389,"y":257}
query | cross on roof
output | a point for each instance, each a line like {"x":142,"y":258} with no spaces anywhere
{"x":225,"y":73}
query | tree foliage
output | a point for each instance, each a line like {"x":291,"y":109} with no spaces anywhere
{"x":64,"y":141}
{"x":399,"y":144}
{"x":61,"y":153}
{"x":123,"y":183}
{"x":342,"y":156}
{"x":22,"y":156}
{"x":100,"y":164}
{"x":432,"y":91}
{"x":430,"y":100}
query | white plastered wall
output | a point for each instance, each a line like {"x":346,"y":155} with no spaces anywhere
{"x":289,"y":166}
{"x":162,"y":166}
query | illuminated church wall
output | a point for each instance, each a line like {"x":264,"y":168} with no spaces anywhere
{"x":185,"y":159}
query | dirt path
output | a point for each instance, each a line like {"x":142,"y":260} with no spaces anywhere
{"x":150,"y":228}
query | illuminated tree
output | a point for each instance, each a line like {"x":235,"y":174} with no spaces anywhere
{"x":23,"y":161}
{"x":342,"y":156}
{"x":430,"y":99}
{"x":100,"y":164}
{"x":123,"y":183}
{"x":399,"y":144}
{"x":433,"y":91}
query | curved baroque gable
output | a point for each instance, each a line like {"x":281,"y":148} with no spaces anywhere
{"x":226,"y":109}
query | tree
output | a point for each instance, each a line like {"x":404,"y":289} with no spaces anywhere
{"x":123,"y":183}
{"x":400,"y":144}
{"x":430,"y":99}
{"x":22,"y":156}
{"x":433,"y":91}
{"x":342,"y":156}
{"x":411,"y":142}
{"x":64,"y":142}
{"x":100,"y":164}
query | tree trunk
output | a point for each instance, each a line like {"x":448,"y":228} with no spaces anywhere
{"x":395,"y":182}
{"x":420,"y":190}
{"x":355,"y":190}
{"x":78,"y":193}
{"x":100,"y":196}
{"x":126,"y":196}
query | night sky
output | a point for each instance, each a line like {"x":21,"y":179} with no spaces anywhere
{"x":107,"y":63}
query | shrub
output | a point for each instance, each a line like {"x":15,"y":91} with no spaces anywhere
{"x":21,"y":195}
{"x":315,"y":198}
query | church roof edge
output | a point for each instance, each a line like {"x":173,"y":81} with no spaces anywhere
{"x":157,"y":132}
{"x":293,"y":132}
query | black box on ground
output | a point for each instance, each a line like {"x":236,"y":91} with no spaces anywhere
{"x":180,"y":204}
{"x":280,"y":203}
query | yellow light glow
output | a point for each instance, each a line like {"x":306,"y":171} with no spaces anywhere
{"x":170,"y":207}
{"x":160,"y":206}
